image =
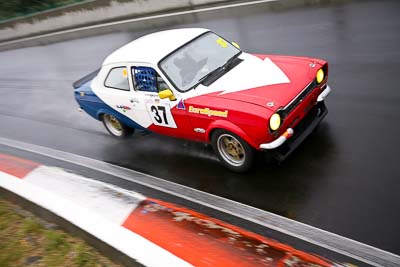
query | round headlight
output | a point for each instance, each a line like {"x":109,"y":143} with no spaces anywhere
{"x":275,"y":121}
{"x":320,"y":76}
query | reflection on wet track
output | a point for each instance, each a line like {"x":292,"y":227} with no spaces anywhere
{"x":344,"y":178}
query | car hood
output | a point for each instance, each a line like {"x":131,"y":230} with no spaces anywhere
{"x":268,"y":81}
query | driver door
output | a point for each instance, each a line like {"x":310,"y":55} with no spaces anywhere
{"x":157,"y":114}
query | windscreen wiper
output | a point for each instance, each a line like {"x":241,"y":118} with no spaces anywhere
{"x":204,"y":79}
{"x":228,"y":65}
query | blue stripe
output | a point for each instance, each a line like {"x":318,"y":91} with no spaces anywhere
{"x":95,"y":107}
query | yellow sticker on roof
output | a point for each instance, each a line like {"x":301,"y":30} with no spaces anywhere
{"x":222,"y":42}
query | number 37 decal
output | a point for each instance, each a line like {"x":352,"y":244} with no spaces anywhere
{"x":161,"y":115}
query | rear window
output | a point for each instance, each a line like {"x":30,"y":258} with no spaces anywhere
{"x":117,"y":78}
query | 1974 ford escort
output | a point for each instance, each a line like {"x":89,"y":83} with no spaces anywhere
{"x":194,"y":84}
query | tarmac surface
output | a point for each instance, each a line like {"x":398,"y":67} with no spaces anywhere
{"x":344,"y":178}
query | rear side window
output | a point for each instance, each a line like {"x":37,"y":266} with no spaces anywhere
{"x":117,"y":78}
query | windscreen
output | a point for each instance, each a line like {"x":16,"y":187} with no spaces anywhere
{"x":188,"y":64}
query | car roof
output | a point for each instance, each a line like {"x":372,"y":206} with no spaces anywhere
{"x":153,"y":47}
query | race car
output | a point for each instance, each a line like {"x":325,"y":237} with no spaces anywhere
{"x":194,"y":84}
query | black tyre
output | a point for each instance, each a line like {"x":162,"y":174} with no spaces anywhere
{"x":235,"y":153}
{"x":115,"y":127}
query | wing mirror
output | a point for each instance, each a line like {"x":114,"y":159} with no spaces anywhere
{"x":167,"y":93}
{"x":235,"y":45}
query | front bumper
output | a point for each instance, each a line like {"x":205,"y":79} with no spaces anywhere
{"x":324,"y":94}
{"x":284,"y":145}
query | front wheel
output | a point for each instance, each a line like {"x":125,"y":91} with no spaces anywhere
{"x":235,"y":153}
{"x":115,"y":127}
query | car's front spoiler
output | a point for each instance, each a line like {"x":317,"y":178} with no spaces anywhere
{"x":279,"y":141}
{"x":284,"y":145}
{"x":324,"y":94}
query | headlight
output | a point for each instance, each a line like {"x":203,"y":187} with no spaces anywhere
{"x":320,"y":76}
{"x":274,"y":121}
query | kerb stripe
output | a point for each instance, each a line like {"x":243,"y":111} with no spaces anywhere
{"x":204,"y":241}
{"x":16,"y":166}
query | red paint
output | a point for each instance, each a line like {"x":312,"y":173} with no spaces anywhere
{"x":205,"y":241}
{"x":248,"y":113}
{"x":16,"y":166}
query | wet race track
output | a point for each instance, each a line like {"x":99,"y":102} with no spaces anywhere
{"x":345,"y":178}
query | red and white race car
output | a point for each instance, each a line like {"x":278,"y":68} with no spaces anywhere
{"x":194,"y":84}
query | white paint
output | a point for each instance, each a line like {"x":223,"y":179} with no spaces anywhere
{"x":140,"y":102}
{"x":339,"y":244}
{"x":116,"y":204}
{"x":153,"y":47}
{"x":136,"y":100}
{"x":93,"y":222}
{"x":252,"y":72}
{"x":114,"y":97}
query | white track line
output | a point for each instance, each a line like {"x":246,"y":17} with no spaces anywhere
{"x":248,"y":3}
{"x":313,"y":235}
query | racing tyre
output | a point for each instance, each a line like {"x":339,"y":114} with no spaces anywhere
{"x":235,"y":153}
{"x":115,"y":127}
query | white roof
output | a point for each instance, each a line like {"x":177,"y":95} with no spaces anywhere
{"x":153,"y":47}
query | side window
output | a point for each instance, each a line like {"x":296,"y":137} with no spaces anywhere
{"x":161,"y":84}
{"x":146,"y":79}
{"x":117,"y":78}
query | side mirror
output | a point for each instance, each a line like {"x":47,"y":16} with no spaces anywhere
{"x":167,"y":93}
{"x":236,"y":45}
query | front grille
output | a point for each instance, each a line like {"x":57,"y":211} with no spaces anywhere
{"x":299,"y":98}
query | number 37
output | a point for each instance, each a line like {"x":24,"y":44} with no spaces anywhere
{"x":156,"y":112}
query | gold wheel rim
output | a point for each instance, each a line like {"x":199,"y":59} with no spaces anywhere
{"x":113,"y":125}
{"x":231,"y":149}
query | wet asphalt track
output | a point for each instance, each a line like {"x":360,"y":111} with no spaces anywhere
{"x":345,"y":178}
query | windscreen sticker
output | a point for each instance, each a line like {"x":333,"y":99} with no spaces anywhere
{"x":222,"y":42}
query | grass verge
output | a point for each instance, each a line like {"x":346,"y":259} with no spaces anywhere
{"x":26,"y":240}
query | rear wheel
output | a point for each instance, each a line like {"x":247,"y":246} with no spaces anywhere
{"x":235,"y":153}
{"x":116,"y":127}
